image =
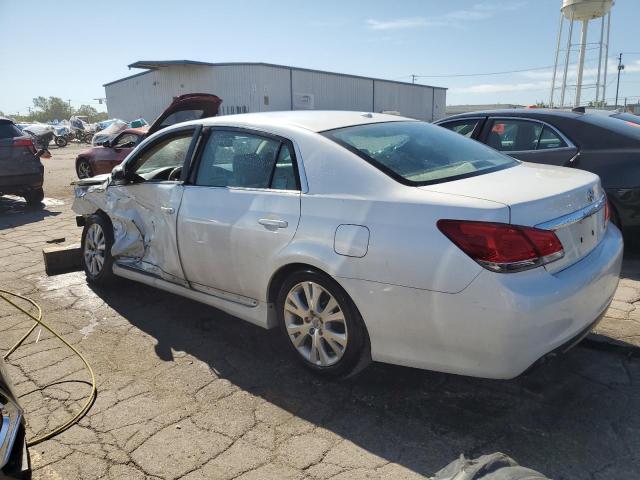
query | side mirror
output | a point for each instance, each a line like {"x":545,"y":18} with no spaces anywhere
{"x":118,"y":174}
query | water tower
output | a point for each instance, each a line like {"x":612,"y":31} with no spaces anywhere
{"x":583,"y":11}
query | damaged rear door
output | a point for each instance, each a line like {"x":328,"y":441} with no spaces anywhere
{"x":144,"y":205}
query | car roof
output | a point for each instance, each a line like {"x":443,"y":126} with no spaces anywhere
{"x":313,"y":120}
{"x":519,"y":112}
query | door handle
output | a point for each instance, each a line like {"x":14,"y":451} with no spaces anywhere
{"x":169,"y":210}
{"x":268,"y":222}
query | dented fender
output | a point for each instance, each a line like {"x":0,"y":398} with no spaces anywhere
{"x":120,"y":207}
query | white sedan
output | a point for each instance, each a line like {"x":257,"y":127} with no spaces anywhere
{"x":362,"y":236}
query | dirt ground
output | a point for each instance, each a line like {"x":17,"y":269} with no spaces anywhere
{"x":59,"y":171}
{"x":186,"y":391}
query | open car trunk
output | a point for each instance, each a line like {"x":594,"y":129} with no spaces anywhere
{"x":570,"y":202}
{"x":191,"y":106}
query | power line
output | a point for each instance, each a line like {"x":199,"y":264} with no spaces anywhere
{"x":505,"y":72}
{"x":483,"y":74}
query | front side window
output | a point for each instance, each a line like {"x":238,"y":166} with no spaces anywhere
{"x":238,"y":159}
{"x":418,"y":153}
{"x":463,"y":127}
{"x":164,"y":155}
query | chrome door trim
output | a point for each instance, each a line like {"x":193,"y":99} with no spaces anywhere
{"x":574,"y":217}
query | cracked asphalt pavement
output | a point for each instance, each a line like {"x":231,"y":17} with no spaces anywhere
{"x":186,"y":391}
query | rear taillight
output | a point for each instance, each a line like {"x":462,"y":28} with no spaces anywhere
{"x":607,"y":212}
{"x":501,"y":247}
{"x":24,"y":142}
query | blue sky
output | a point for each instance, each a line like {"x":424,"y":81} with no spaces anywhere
{"x":69,"y":48}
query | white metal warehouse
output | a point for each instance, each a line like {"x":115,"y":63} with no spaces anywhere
{"x":260,"y":87}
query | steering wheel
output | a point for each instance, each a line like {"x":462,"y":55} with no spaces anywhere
{"x":175,"y":174}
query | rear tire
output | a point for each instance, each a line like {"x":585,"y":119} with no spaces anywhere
{"x":97,"y":240}
{"x":34,"y":197}
{"x":83,"y":169}
{"x":321,"y":325}
{"x":61,"y":142}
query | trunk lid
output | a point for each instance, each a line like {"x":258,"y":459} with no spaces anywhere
{"x":191,"y":106}
{"x":567,"y":201}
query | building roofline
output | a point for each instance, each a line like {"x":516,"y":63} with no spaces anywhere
{"x":127,"y":78}
{"x":155,"y":64}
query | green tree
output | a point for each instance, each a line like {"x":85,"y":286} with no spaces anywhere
{"x":51,"y":108}
{"x":91,"y":113}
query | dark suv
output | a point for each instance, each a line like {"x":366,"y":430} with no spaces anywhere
{"x":21,"y":171}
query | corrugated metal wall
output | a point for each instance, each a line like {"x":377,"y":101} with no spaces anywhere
{"x":440,"y":103}
{"x":410,"y":101}
{"x":146,"y":96}
{"x":259,"y":88}
{"x":252,"y":88}
{"x":332,"y":92}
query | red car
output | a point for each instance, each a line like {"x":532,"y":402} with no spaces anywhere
{"x":102,"y":159}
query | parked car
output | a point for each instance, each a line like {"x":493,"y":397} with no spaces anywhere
{"x":602,"y":144}
{"x":21,"y":171}
{"x":102,"y":159}
{"x":14,"y":456}
{"x":109,"y":153}
{"x":363,"y":236}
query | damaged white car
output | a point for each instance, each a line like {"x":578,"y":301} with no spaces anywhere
{"x":362,"y":236}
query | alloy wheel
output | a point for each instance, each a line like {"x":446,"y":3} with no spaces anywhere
{"x":315,"y":324}
{"x":94,"y":249}
{"x":84,"y":170}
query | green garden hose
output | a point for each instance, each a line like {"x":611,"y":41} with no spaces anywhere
{"x":5,"y":294}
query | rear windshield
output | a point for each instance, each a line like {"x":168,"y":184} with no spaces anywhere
{"x":628,"y":117}
{"x":9,"y":130}
{"x":417,"y":153}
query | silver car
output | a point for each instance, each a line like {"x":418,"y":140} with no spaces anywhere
{"x":362,"y":236}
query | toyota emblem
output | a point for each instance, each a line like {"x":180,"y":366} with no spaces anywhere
{"x":591,"y":196}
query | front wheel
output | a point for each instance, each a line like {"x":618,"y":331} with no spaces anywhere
{"x":97,"y":240}
{"x":61,"y":142}
{"x":321,"y":324}
{"x":83,"y":169}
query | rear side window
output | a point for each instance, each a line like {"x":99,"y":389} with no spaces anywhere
{"x":238,"y":159}
{"x":550,"y":139}
{"x":514,"y":135}
{"x":417,"y":153}
{"x":9,"y":130}
{"x":463,"y":127}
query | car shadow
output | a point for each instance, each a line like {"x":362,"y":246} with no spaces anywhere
{"x":14,"y":212}
{"x":570,"y":418}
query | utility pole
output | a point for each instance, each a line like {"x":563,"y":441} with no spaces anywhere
{"x":620,"y":68}
{"x":413,"y":77}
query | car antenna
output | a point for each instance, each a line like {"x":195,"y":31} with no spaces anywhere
{"x":578,"y":109}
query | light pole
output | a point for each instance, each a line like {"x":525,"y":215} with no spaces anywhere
{"x":620,"y":68}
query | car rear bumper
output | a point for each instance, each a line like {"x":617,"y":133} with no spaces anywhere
{"x":21,"y":183}
{"x":499,"y":325}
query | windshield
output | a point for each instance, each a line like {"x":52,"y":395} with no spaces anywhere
{"x":417,"y":153}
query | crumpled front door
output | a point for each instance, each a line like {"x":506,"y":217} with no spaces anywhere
{"x":144,"y":221}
